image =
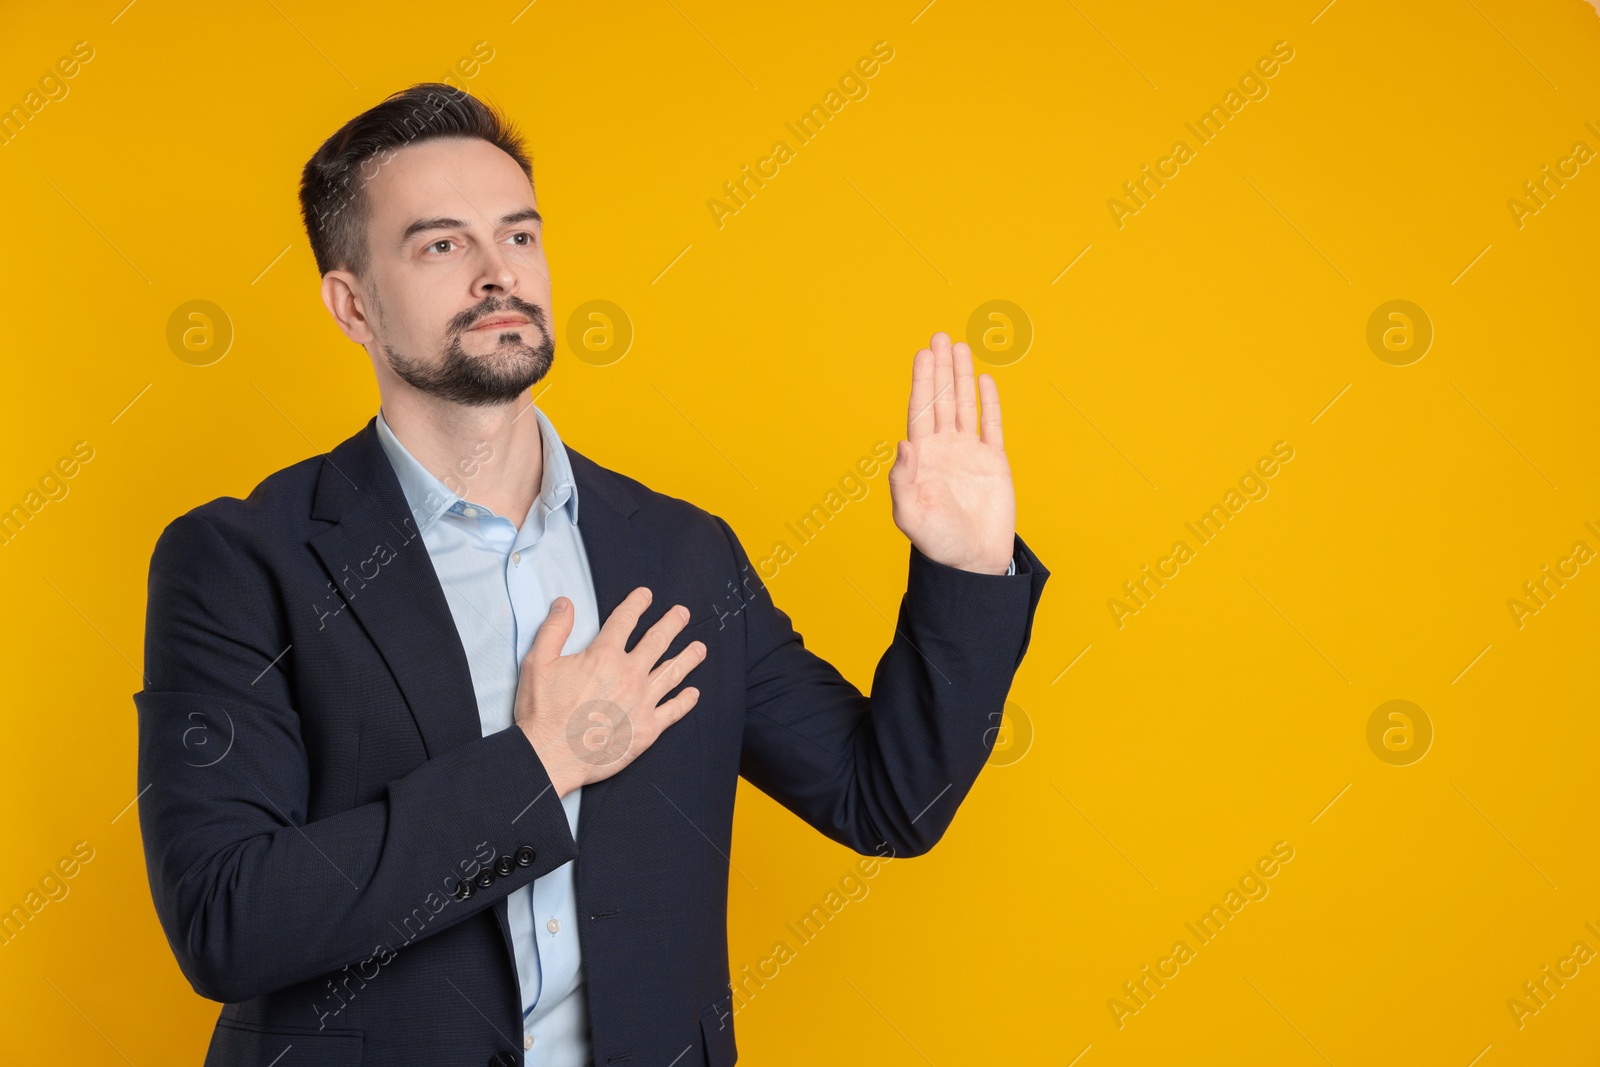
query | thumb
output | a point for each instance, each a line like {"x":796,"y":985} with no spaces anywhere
{"x":553,"y":632}
{"x":904,"y":471}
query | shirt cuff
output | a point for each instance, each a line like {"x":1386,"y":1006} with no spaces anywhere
{"x":1012,"y":567}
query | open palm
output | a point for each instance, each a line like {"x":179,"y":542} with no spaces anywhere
{"x":951,"y":483}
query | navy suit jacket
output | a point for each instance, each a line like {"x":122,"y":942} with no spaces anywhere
{"x":330,"y":839}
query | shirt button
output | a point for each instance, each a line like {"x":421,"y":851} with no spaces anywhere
{"x":470,"y":513}
{"x":516,"y":557}
{"x":527,"y":1042}
{"x":554,"y":925}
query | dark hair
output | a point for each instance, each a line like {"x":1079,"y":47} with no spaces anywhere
{"x":333,"y":198}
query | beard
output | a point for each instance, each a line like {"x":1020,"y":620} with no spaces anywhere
{"x":500,"y":375}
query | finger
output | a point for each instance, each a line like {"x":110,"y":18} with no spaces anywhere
{"x":991,"y":412}
{"x":966,"y":394}
{"x":944,"y":399}
{"x":670,"y":673}
{"x":676,"y":708}
{"x":622,"y":620}
{"x":660,"y":635}
{"x":552,"y":634}
{"x":919,"y":414}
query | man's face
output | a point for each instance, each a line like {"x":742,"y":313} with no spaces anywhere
{"x":456,"y":248}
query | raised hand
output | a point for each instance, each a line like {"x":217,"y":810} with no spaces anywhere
{"x":592,"y":713}
{"x":950,"y":485}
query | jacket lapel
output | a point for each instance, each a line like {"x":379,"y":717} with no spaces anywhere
{"x":376,"y":558}
{"x":622,"y":557}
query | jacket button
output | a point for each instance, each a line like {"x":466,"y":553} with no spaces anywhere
{"x":504,"y":1059}
{"x":504,"y":865}
{"x":485,"y":878}
{"x":526,"y":856}
{"x":463,"y":890}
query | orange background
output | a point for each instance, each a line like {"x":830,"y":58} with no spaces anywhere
{"x":1145,"y":767}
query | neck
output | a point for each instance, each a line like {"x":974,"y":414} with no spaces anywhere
{"x":493,"y":455}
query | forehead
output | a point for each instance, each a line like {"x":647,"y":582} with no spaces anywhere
{"x":465,"y":177}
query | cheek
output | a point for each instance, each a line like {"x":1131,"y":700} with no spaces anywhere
{"x":535,"y":270}
{"x":418,"y":314}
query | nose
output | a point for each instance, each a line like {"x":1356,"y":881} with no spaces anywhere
{"x":495,"y":275}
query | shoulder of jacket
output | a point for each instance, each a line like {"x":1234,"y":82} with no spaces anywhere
{"x":274,"y":507}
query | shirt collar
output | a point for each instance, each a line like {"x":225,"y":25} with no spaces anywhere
{"x":429,"y":497}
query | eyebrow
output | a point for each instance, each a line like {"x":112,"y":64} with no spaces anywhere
{"x":445,"y":223}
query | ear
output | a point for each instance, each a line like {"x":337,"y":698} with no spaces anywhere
{"x":345,"y":298}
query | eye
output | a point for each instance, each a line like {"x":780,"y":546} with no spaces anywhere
{"x":440,"y":241}
{"x":524,"y":233}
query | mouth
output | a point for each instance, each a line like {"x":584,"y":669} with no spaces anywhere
{"x":500,"y":321}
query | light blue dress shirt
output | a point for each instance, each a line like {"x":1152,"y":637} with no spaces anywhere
{"x":500,"y":581}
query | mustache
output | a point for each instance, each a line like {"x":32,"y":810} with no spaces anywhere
{"x":467,"y":319}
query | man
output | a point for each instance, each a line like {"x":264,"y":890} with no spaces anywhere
{"x":423,"y":779}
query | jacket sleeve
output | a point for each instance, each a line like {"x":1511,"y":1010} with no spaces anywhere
{"x":894,"y":767}
{"x":252,"y":896}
